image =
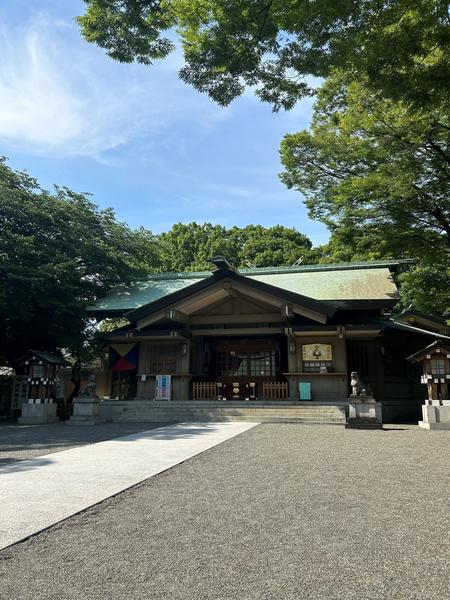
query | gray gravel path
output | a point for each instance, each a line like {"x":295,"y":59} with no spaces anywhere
{"x":20,"y":442}
{"x":280,"y":512}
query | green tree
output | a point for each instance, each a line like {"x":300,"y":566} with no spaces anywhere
{"x":400,"y":46}
{"x":190,"y":247}
{"x":58,"y":253}
{"x":376,"y":171}
{"x":270,"y":246}
{"x":426,"y":287}
{"x":374,"y":166}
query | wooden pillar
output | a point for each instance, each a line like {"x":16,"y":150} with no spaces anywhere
{"x":293,"y":366}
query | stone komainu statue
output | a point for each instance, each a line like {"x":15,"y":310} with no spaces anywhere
{"x":355,"y":383}
{"x":357,"y":387}
{"x":89,"y":388}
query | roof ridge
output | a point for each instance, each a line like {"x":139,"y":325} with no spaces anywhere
{"x":178,"y":275}
{"x":288,"y":269}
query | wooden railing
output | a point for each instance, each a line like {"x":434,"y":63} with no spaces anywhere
{"x":204,"y":390}
{"x":275,"y":390}
{"x":266,"y":390}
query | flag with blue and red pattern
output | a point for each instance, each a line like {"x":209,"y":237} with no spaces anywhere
{"x":123,"y":357}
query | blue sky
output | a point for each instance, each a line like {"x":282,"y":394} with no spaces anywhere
{"x":136,"y":137}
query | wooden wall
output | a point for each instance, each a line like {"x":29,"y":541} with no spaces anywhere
{"x":324,"y":387}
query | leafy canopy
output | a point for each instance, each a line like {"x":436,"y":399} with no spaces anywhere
{"x":400,"y":46}
{"x":376,"y":172}
{"x":189,"y":247}
{"x":58,"y":253}
{"x":373,"y":165}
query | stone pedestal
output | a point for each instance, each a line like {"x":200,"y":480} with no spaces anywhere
{"x":436,"y":415}
{"x":86,"y":411}
{"x":364,"y":412}
{"x":38,"y":413}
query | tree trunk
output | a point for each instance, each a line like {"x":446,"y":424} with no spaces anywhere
{"x":76,"y":380}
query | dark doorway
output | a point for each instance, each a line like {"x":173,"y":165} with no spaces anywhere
{"x":246,"y":362}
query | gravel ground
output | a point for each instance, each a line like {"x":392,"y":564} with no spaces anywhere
{"x":280,"y":512}
{"x":19,"y":442}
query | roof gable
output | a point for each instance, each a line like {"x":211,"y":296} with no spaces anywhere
{"x":437,"y":347}
{"x":215,"y":288}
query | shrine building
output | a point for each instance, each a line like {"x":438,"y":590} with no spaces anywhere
{"x":268,"y":335}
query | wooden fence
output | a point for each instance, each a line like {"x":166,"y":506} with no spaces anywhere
{"x":210,"y":390}
{"x":204,"y":390}
{"x":275,"y":390}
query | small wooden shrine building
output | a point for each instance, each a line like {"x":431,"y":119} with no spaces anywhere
{"x":273,"y":334}
{"x":38,"y":386}
{"x":435,"y":361}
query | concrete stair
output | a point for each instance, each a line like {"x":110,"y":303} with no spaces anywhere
{"x":279,"y":412}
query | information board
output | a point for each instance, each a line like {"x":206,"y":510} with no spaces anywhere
{"x":317,"y":352}
{"x":163,"y":385}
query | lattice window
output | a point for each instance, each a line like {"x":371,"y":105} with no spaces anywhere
{"x":437,"y":366}
{"x":230,"y":363}
{"x":124,"y":384}
{"x":37,"y":371}
{"x":317,"y":366}
{"x":263,"y":364}
{"x":164,"y":360}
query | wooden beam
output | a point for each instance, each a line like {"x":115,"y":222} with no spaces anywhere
{"x":256,"y":331}
{"x":172,"y":314}
{"x":241,"y":318}
{"x":201,"y":300}
{"x":274,"y":301}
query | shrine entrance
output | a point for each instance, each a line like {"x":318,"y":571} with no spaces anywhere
{"x":245,"y":368}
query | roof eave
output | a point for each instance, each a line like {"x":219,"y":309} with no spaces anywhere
{"x":429,"y":349}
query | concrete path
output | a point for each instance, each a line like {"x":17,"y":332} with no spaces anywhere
{"x":40,"y":492}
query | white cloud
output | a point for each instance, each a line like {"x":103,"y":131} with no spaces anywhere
{"x":61,"y":96}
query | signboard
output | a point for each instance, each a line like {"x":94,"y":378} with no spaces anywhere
{"x":317,"y":352}
{"x":163,"y":384}
{"x":304,"y":390}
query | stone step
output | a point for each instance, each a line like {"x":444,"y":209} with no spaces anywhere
{"x":230,"y":419}
{"x":230,"y":405}
{"x":239,"y":410}
{"x":273,"y":412}
{"x":230,"y":408}
{"x":264,"y":418}
{"x":236,"y":413}
{"x":215,"y":416}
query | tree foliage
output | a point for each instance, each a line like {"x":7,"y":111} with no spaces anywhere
{"x":58,"y":253}
{"x":377,"y":172}
{"x":189,"y":247}
{"x":373,"y":165}
{"x":426,"y":287}
{"x":400,"y":46}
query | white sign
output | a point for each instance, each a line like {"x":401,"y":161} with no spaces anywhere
{"x":163,"y":385}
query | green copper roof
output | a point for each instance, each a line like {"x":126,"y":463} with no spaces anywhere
{"x":348,"y":284}
{"x":345,"y":281}
{"x":144,"y":292}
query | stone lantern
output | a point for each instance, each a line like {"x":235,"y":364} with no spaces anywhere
{"x":435,"y":361}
